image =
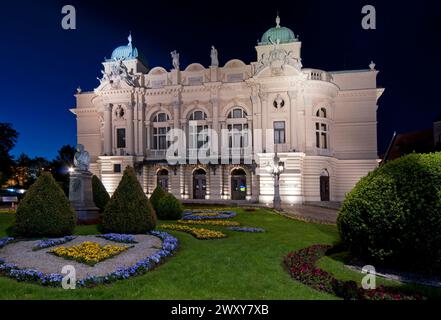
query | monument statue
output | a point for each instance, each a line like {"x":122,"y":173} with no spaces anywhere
{"x":175,"y":59}
{"x":214,"y":57}
{"x":81,"y":159}
{"x":80,"y":188}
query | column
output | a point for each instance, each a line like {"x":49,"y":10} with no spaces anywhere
{"x":215,"y":104}
{"x":108,"y":129}
{"x":130,"y":142}
{"x":301,"y":123}
{"x":141,"y":130}
{"x":293,"y":119}
{"x":263,"y":115}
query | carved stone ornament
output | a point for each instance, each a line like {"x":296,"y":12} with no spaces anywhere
{"x":119,"y":112}
{"x":118,"y":73}
{"x":277,"y":59}
{"x":279,"y":103}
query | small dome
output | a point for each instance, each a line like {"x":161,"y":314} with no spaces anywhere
{"x":125,"y":52}
{"x":278,"y":34}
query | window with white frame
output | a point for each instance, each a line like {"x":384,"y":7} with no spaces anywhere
{"x":237,"y":128}
{"x":279,"y":132}
{"x":321,"y":130}
{"x":159,"y":131}
{"x":197,"y":130}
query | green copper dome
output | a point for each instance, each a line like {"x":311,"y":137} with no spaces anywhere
{"x":278,"y":34}
{"x":125,"y":52}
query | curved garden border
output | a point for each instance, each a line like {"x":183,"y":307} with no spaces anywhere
{"x":208,"y":214}
{"x":301,"y":265}
{"x":169,"y":246}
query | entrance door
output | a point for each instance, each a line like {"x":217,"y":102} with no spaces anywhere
{"x":199,"y":184}
{"x":238,"y":185}
{"x":163,"y":179}
{"x":324,"y":188}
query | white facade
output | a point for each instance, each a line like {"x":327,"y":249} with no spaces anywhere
{"x":325,"y":123}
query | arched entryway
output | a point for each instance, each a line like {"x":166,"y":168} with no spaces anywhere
{"x":238,"y":184}
{"x":162,"y":179}
{"x":199,"y":184}
{"x":324,"y":186}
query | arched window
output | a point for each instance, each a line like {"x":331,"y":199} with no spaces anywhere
{"x":321,"y":130}
{"x":237,"y":113}
{"x":237,"y":126}
{"x":198,"y":115}
{"x":160,"y":129}
{"x":321,"y":113}
{"x":197,"y":130}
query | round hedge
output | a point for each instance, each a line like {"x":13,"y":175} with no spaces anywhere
{"x":45,"y":211}
{"x":169,"y":208}
{"x":129,"y":210}
{"x":156,"y":196}
{"x":393,"y":216}
{"x":100,"y":195}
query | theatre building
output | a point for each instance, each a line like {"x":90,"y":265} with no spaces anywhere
{"x":322,"y":124}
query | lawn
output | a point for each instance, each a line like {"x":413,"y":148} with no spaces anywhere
{"x":242,"y":266}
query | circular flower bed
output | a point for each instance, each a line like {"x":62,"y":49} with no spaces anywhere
{"x":301,"y":266}
{"x":153,"y":258}
{"x":208,"y":214}
{"x":198,"y":233}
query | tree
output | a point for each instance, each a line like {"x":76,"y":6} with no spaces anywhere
{"x":156,"y":196}
{"x":8,"y":139}
{"x":100,"y":195}
{"x":129,"y":210}
{"x":45,"y":210}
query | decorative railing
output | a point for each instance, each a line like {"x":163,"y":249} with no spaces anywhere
{"x":316,"y":74}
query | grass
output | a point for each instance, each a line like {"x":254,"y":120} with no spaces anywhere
{"x":242,"y":266}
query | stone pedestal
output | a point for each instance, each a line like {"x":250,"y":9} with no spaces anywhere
{"x":81,"y":197}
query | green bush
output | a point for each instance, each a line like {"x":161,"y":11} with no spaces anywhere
{"x":393,"y":216}
{"x":169,"y":208}
{"x":128,"y":210}
{"x":100,"y":195}
{"x":45,"y":211}
{"x":156,"y":196}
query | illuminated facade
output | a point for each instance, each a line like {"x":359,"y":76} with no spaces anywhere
{"x":323,"y":125}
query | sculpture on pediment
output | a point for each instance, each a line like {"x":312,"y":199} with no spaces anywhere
{"x":118,"y":73}
{"x":277,"y":59}
{"x":214,"y":57}
{"x":175,"y":59}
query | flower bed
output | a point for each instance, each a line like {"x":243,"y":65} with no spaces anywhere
{"x":301,"y":266}
{"x":5,"y":241}
{"x":221,"y":223}
{"x":89,"y":253}
{"x":117,"y":237}
{"x":169,"y":246}
{"x":246,"y":229}
{"x":198,"y":233}
{"x":47,"y":243}
{"x":208,"y":214}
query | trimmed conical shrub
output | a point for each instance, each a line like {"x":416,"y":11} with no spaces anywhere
{"x":100,"y":195}
{"x":129,"y":210}
{"x":45,"y":211}
{"x":156,"y":196}
{"x":169,"y":208}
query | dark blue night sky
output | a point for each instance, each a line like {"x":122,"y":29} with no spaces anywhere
{"x":42,"y":64}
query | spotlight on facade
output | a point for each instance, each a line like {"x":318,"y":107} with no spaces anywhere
{"x":70,"y":169}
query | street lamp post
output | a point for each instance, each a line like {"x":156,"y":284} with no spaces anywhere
{"x":276,"y":169}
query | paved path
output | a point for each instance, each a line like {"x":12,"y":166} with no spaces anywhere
{"x":311,"y":213}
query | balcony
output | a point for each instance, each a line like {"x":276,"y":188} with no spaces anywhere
{"x":318,"y":75}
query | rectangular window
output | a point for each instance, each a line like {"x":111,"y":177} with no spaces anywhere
{"x":117,"y":168}
{"x":121,"y":138}
{"x":279,"y":132}
{"x":160,"y":138}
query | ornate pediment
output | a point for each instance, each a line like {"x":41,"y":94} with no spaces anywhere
{"x":277,"y":61}
{"x":117,"y":78}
